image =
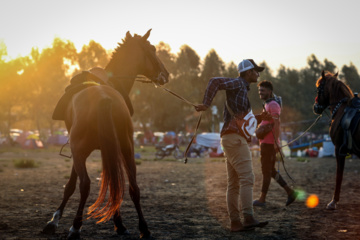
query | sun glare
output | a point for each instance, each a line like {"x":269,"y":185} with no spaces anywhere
{"x":71,"y":67}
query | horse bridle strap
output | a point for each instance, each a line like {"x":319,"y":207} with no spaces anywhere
{"x":344,"y":100}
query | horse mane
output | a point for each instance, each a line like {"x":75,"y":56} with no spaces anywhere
{"x":128,"y":40}
{"x":337,"y":87}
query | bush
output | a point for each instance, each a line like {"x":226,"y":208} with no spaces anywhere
{"x":24,"y":163}
{"x":302,"y":159}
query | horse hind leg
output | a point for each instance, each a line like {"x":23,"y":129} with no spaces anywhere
{"x":119,"y":226}
{"x":340,"y":164}
{"x":134,"y":192}
{"x":135,"y":197}
{"x":80,"y":168}
{"x":52,"y":225}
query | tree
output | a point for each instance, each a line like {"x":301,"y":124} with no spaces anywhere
{"x":231,"y":70}
{"x":177,"y":115}
{"x":308,"y":77}
{"x":92,"y":55}
{"x":287,"y":85}
{"x":12,"y":97}
{"x":187,"y":60}
{"x":329,"y":66}
{"x":151,"y":105}
{"x":163,"y":51}
{"x":213,"y":67}
{"x":351,"y":76}
{"x":3,"y":68}
{"x":47,"y":75}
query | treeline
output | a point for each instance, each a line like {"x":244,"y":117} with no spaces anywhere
{"x":32,"y":85}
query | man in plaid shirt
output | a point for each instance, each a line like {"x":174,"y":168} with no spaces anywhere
{"x":235,"y":145}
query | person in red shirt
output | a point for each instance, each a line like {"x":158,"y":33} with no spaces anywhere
{"x":268,"y":146}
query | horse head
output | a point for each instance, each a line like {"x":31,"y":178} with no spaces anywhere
{"x":135,"y":56}
{"x":330,"y":92}
{"x":321,"y":101}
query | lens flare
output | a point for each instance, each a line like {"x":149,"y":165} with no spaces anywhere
{"x":312,"y":201}
{"x":301,"y":194}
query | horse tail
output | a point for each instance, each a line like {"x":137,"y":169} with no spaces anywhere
{"x":112,"y":176}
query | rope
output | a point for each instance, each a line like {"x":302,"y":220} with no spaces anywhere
{"x":175,"y":94}
{"x":308,"y":129}
{"x":198,"y":122}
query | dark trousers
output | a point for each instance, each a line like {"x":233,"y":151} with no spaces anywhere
{"x":268,"y":159}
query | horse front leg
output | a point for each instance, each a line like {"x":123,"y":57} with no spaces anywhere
{"x":340,"y":164}
{"x":80,"y":167}
{"x":70,"y":186}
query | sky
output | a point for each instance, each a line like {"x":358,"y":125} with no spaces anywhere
{"x":279,"y":32}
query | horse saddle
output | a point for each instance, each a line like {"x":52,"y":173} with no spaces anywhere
{"x":349,"y":123}
{"x":77,"y":83}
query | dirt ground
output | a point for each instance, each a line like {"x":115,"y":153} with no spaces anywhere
{"x":179,"y":201}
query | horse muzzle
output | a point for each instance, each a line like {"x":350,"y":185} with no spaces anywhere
{"x":318,"y":109}
{"x":162,"y":78}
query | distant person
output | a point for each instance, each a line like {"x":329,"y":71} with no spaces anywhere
{"x":268,"y":146}
{"x":240,"y":176}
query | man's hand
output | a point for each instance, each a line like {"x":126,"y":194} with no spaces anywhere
{"x":200,"y":107}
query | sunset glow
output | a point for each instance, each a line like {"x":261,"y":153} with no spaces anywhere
{"x":263,"y":31}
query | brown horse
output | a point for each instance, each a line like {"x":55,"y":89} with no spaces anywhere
{"x":336,"y":95}
{"x":98,"y":117}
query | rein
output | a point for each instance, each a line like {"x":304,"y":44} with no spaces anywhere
{"x":188,"y":102}
{"x":308,"y":129}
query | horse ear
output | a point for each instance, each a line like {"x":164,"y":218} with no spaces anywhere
{"x":147,"y":34}
{"x":336,"y":74}
{"x":128,"y":35}
{"x":323,"y":74}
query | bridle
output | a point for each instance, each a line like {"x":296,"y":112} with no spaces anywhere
{"x":318,"y":108}
{"x":161,"y":77}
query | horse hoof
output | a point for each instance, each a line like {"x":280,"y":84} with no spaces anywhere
{"x":74,"y":234}
{"x":50,"y":228}
{"x":146,"y":236}
{"x":123,"y":233}
{"x":331,"y":205}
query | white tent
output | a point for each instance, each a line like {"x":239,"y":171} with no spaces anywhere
{"x":211,"y":140}
{"x":327,"y":150}
{"x":286,"y":150}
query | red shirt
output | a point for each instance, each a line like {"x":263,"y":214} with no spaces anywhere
{"x":274,"y":109}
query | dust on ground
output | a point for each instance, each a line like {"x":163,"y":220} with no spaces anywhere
{"x":179,"y":201}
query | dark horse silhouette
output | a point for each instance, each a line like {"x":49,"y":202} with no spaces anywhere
{"x":336,"y":95}
{"x":98,"y":117}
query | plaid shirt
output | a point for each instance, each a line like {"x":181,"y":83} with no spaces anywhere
{"x":236,"y":96}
